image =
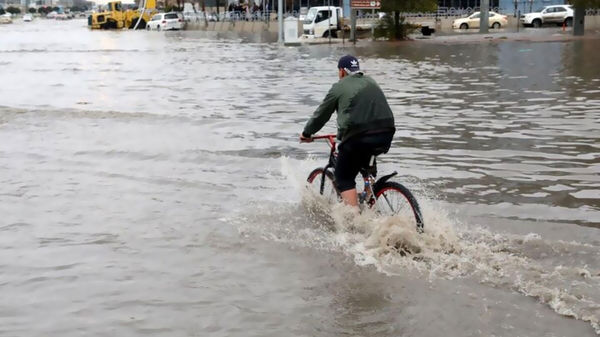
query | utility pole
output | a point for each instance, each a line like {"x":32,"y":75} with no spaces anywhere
{"x":329,"y":19}
{"x":484,"y":16}
{"x":373,"y":24}
{"x":280,"y":21}
{"x":352,"y":24}
{"x":578,"y":20}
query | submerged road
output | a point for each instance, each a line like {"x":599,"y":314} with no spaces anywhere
{"x":151,"y":184}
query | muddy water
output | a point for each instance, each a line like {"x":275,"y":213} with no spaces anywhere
{"x":151,"y":184}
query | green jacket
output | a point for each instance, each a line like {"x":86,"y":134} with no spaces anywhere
{"x":360,"y":104}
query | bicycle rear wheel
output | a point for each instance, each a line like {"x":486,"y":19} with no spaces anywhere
{"x":321,"y":182}
{"x":395,"y":199}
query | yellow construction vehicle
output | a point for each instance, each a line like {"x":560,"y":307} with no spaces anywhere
{"x":117,"y":18}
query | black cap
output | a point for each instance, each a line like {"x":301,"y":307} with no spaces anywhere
{"x":349,"y":62}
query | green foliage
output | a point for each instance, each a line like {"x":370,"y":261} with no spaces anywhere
{"x":393,"y":26}
{"x":409,"y":6}
{"x":585,"y":3}
{"x":31,"y":10}
{"x":78,"y":8}
{"x":2,"y":11}
{"x":173,"y":8}
{"x":387,"y":28}
{"x":13,"y":10}
{"x":46,"y":10}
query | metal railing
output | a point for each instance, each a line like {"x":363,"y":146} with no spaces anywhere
{"x":363,"y":16}
{"x":232,"y":16}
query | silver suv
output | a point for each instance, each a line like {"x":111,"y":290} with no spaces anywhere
{"x":559,"y":14}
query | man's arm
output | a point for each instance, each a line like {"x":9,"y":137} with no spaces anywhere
{"x":322,"y":114}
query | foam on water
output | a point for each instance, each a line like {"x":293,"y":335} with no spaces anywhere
{"x":563,"y":275}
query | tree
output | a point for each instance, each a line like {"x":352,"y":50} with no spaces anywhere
{"x":76,"y":9}
{"x":2,"y":12}
{"x":579,"y":15}
{"x":31,"y":10}
{"x":395,"y":27}
{"x":13,"y":10}
{"x":585,"y":3}
{"x":44,"y":10}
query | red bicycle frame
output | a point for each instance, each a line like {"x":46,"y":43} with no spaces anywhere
{"x":368,"y":178}
{"x":330,"y":138}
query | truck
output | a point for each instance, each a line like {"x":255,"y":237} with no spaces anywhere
{"x":114,"y":17}
{"x":323,"y":21}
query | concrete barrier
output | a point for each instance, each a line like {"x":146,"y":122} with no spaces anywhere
{"x":592,"y":22}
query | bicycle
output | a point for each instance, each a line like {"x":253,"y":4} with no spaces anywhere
{"x":384,"y":196}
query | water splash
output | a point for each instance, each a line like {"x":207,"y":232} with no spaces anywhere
{"x":563,"y":275}
{"x":451,"y":250}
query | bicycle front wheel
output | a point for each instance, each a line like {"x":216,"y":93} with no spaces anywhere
{"x":395,"y":199}
{"x":321,"y":182}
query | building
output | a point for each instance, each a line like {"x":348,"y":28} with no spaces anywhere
{"x":503,"y":6}
{"x":526,"y":6}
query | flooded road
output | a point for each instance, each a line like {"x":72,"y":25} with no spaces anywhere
{"x":152,"y":184}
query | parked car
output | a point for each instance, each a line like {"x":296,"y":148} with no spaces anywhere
{"x":557,"y":14}
{"x":165,"y":21}
{"x":5,"y":18}
{"x":27,"y":17}
{"x":496,"y":21}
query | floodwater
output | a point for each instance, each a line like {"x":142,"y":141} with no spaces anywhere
{"x":151,"y":184}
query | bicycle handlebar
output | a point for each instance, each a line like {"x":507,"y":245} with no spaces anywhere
{"x":324,"y":136}
{"x":330,"y":138}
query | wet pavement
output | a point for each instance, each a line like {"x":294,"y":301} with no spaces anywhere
{"x":152,"y":184}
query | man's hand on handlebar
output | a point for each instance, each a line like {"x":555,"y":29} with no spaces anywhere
{"x":305,"y":139}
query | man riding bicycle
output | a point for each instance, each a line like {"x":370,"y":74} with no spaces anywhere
{"x":365,"y":124}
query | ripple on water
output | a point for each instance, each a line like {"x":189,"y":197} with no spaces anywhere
{"x":109,"y":196}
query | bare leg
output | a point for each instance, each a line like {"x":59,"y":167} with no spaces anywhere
{"x":350,"y":197}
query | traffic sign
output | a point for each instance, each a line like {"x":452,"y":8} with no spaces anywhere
{"x":365,"y":4}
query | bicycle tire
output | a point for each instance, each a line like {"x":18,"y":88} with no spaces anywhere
{"x":329,"y":191}
{"x":404,"y":203}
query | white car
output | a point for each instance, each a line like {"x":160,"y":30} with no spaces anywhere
{"x":27,"y":17}
{"x":472,"y":21}
{"x":5,"y":18}
{"x":558,"y":14}
{"x":165,"y":21}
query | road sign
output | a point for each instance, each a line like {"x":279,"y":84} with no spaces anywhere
{"x":365,"y":4}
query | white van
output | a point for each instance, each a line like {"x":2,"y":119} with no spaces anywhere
{"x":321,"y":21}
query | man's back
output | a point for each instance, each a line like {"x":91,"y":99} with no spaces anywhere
{"x":362,"y":106}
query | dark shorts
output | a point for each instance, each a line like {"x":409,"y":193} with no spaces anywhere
{"x":355,"y":153}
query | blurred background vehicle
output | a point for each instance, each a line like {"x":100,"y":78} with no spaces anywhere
{"x":558,"y":14}
{"x":166,"y":21}
{"x":473,"y":21}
